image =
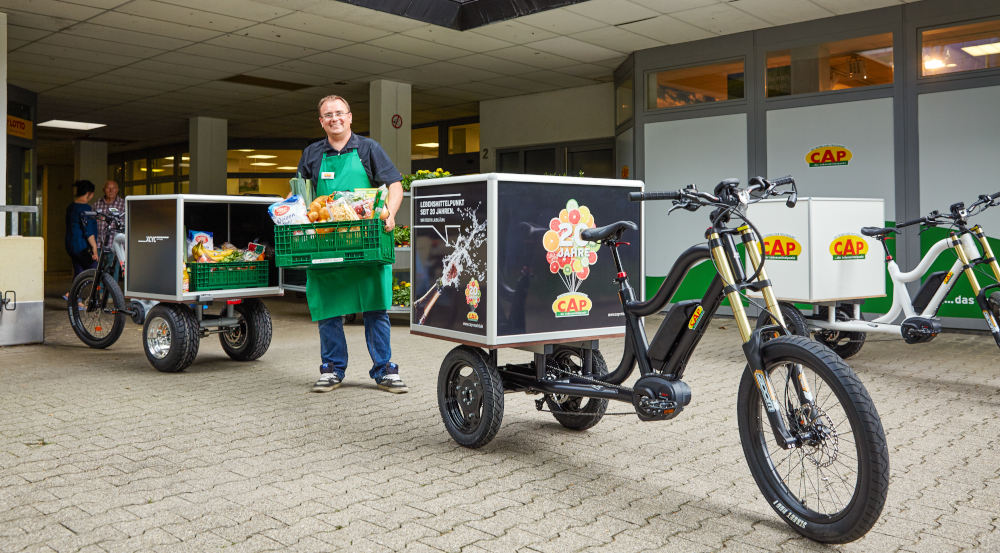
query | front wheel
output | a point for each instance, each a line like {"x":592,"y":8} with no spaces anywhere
{"x":470,"y":396}
{"x":832,"y":487}
{"x":97,"y":316}
{"x":170,"y":337}
{"x":251,"y":338}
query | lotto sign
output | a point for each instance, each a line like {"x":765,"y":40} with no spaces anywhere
{"x":848,"y":246}
{"x":782,"y":247}
{"x":828,"y":155}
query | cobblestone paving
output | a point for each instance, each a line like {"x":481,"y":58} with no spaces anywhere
{"x":100,"y":452}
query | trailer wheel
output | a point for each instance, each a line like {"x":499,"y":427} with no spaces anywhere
{"x":170,"y":337}
{"x":252,"y":337}
{"x":470,"y":397}
{"x":844,"y":343}
{"x":574,"y":412}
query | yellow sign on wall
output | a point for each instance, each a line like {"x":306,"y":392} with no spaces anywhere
{"x":19,"y":127}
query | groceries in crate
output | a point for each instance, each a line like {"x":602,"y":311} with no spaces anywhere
{"x":290,"y":211}
{"x":227,"y":254}
{"x":198,"y":237}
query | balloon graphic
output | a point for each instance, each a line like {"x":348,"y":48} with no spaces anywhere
{"x":550,"y":241}
{"x":566,"y":253}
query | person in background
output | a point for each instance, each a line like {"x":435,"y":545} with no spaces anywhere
{"x":81,"y":232}
{"x":344,"y":161}
{"x":111,"y":199}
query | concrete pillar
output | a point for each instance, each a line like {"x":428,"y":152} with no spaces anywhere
{"x":389,"y":107}
{"x":3,"y":113}
{"x":208,"y":141}
{"x":90,"y":161}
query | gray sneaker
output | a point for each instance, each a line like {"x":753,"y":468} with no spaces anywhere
{"x":392,"y":383}
{"x":327,"y":382}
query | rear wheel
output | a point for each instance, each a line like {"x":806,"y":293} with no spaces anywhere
{"x":843,"y":343}
{"x":794,"y":321}
{"x":573,"y":412}
{"x":252,"y":337}
{"x":99,"y":320}
{"x":470,"y":396}
{"x":170,"y":337}
{"x":832,"y":487}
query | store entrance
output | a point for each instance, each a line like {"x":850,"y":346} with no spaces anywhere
{"x":21,"y":188}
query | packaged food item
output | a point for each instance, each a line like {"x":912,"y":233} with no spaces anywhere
{"x":185,"y":280}
{"x":290,"y":211}
{"x":198,"y":237}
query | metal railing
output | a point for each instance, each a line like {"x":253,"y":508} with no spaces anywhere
{"x":14,"y":210}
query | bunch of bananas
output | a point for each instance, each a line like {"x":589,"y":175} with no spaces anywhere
{"x":201,"y":254}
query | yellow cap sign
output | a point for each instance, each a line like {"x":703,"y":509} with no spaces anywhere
{"x":572,"y":304}
{"x":830,"y":154}
{"x":782,"y":246}
{"x":848,"y":246}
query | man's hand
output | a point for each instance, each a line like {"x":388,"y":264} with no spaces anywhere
{"x":390,"y":221}
{"x":93,"y":255}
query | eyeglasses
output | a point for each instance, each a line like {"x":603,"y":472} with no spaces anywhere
{"x":335,"y":115}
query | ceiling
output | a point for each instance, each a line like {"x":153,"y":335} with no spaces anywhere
{"x":143,"y":67}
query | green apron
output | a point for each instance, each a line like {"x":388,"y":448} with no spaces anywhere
{"x":352,"y":289}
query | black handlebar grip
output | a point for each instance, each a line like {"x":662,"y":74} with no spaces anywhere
{"x":646,"y":196}
{"x":90,"y":214}
{"x":908,"y":223}
{"x":781,"y":181}
{"x":995,"y":196}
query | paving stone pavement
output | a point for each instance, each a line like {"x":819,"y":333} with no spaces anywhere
{"x":101,"y":453}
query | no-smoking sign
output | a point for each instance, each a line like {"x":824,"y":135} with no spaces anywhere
{"x":397,"y":121}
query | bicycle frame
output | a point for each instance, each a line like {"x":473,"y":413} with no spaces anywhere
{"x":967,"y":256}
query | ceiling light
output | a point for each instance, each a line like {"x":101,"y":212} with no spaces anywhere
{"x":74,"y":125}
{"x":154,"y":170}
{"x":288,"y":168}
{"x":262,"y":164}
{"x":933,"y":63}
{"x":987,"y":49}
{"x":261,"y":156}
{"x":427,"y":145}
{"x":171,"y":158}
{"x":245,"y":150}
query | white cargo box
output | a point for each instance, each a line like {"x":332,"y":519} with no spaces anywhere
{"x":815,"y":252}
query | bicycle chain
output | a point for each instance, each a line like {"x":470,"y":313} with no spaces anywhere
{"x":540,"y":402}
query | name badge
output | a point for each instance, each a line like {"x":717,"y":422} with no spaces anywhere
{"x":326,"y":175}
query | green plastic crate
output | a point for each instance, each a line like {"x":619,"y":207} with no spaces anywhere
{"x":224,"y":276}
{"x":334,"y":244}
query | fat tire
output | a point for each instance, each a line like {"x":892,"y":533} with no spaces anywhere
{"x":579,"y":413}
{"x":486,"y":427}
{"x":251,"y":340}
{"x":78,"y":293}
{"x":185,"y":337}
{"x":872,"y":480}
{"x":843,"y":343}
{"x":794,"y":321}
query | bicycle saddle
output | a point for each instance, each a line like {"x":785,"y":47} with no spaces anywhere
{"x":874,"y":231}
{"x":614,"y":229}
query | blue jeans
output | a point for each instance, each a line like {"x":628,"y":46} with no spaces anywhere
{"x":333,"y":344}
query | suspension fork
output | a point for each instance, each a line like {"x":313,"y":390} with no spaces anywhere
{"x":751,"y":340}
{"x":752,"y":245}
{"x":969,"y":274}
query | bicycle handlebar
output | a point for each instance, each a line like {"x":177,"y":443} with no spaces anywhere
{"x":727,"y":193}
{"x":648,"y":196}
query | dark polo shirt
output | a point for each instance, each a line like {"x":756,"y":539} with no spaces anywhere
{"x":377,"y":163}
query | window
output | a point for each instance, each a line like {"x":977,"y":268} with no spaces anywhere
{"x":716,"y":82}
{"x":960,"y":48}
{"x":424,"y":143}
{"x":262,"y":161}
{"x":623,"y":102}
{"x":839,"y":65}
{"x":463,"y":139}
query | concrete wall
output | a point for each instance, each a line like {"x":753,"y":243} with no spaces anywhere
{"x":560,"y":116}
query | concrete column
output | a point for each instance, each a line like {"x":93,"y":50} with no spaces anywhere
{"x":390,"y":101}
{"x":208,"y":141}
{"x":90,"y":161}
{"x":3,"y":113}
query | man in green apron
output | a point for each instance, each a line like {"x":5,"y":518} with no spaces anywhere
{"x":346,"y":161}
